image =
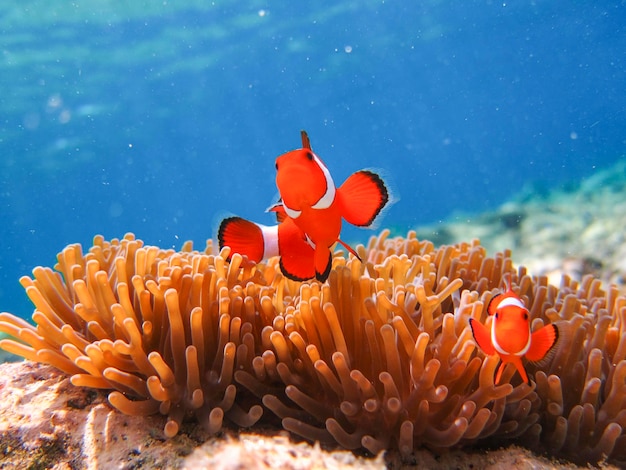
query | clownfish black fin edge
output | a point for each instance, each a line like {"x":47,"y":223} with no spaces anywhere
{"x":324,"y":275}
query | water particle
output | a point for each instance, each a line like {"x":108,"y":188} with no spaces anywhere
{"x":115,"y":210}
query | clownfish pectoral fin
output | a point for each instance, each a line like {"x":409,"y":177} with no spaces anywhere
{"x":279,"y":209}
{"x":541,"y":342}
{"x":363,"y":196}
{"x":247,"y":238}
{"x":296,"y":254}
{"x":482,"y":337}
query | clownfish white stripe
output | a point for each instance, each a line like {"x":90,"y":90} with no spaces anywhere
{"x":329,"y":196}
{"x":309,"y":241}
{"x":499,"y":348}
{"x":294,"y":214}
{"x":270,"y":240}
{"x":511,"y":301}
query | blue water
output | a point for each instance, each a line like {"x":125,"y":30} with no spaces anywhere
{"x":162,"y":117}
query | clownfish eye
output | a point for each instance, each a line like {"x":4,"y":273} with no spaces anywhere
{"x":497,"y":315}
{"x":276,"y":165}
{"x":309,"y":156}
{"x":525,"y":315}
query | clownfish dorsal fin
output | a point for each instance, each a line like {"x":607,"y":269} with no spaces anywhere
{"x":328,"y":198}
{"x":306,"y":143}
{"x":507,"y":292}
{"x":508,"y":283}
{"x":492,"y":306}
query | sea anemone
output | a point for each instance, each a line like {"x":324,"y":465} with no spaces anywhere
{"x":379,"y":357}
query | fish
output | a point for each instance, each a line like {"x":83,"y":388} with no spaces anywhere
{"x":309,"y":212}
{"x":510,"y":336}
{"x":258,"y":242}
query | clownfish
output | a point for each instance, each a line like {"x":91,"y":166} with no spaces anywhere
{"x":310,"y":213}
{"x":510,"y":336}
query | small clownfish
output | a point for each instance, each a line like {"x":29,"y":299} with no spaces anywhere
{"x":510,"y":336}
{"x":310,"y":213}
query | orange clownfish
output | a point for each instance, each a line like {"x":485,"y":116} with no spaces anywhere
{"x":510,"y":336}
{"x":310,"y":213}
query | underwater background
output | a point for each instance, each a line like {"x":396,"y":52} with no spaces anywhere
{"x":160,"y":118}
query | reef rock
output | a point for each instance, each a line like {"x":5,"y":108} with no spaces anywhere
{"x":46,"y":422}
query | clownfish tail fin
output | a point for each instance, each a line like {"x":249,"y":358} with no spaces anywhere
{"x":245,"y":237}
{"x":542,"y":342}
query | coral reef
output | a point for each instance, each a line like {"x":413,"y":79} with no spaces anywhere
{"x":576,"y":230}
{"x":46,"y":422}
{"x":379,"y":357}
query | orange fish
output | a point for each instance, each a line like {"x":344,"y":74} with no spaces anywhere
{"x":510,"y":336}
{"x":310,"y":213}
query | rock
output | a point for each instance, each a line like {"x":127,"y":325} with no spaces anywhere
{"x":46,"y":422}
{"x":575,"y":231}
